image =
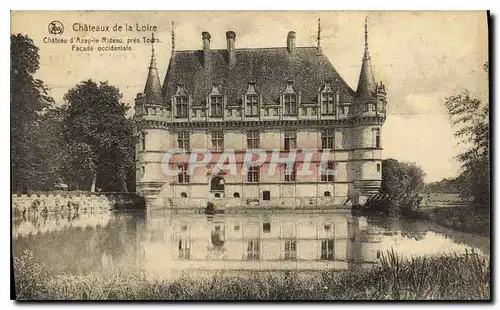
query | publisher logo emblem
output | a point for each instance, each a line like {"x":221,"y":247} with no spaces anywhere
{"x":56,"y":27}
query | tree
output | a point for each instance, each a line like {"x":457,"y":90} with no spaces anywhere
{"x":401,"y":179}
{"x":446,"y":185}
{"x":99,"y":135}
{"x":52,"y":149}
{"x":471,"y":117}
{"x":416,"y":175}
{"x":28,"y":97}
{"x":401,"y":186}
{"x":119,"y":175}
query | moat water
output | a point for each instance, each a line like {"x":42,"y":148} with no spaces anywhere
{"x":167,"y":245}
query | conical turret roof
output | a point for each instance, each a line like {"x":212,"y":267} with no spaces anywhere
{"x":366,"y":83}
{"x":152,"y":90}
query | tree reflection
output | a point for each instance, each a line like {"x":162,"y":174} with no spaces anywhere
{"x":408,"y":228}
{"x":81,"y":245}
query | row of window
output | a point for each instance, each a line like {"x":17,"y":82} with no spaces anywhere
{"x":266,"y":195}
{"x":253,"y":139}
{"x":290,"y":106}
{"x":253,"y":174}
{"x":266,"y":227}
{"x":251,"y":110}
{"x":253,"y":249}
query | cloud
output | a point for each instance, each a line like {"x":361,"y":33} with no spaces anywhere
{"x":425,"y":139}
{"x":419,"y":104}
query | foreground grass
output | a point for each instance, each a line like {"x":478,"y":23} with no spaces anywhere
{"x":449,"y":277}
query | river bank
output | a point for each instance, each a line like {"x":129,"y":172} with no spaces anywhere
{"x":73,"y":202}
{"x":462,"y":218}
{"x":448,"y":210}
{"x":458,"y":277}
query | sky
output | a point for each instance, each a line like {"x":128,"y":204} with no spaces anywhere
{"x":422,"y":57}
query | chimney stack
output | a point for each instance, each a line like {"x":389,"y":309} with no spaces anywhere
{"x":231,"y":50}
{"x":206,"y":48}
{"x":290,"y":41}
{"x":206,"y":40}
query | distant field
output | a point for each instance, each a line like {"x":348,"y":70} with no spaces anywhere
{"x":442,"y":200}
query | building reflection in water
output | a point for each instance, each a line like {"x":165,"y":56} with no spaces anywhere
{"x":257,"y":242}
{"x":167,"y":244}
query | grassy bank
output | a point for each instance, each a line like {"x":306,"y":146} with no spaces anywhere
{"x":461,"y":218}
{"x":442,"y":277}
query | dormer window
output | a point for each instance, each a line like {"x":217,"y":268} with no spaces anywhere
{"x":181,"y":102}
{"x":251,"y":99}
{"x":328,"y":103}
{"x":290,"y":100}
{"x":215,"y":106}
{"x":328,"y":98}
{"x":252,"y":105}
{"x":181,"y":106}
{"x":216,"y":101}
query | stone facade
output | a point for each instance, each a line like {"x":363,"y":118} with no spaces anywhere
{"x":287,"y":99}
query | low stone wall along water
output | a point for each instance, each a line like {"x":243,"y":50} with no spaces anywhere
{"x":74,"y":202}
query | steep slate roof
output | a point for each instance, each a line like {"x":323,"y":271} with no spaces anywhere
{"x":152,"y":90}
{"x":366,"y":82}
{"x":269,"y":68}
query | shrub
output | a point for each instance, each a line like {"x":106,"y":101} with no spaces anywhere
{"x":401,"y":187}
{"x":29,"y":276}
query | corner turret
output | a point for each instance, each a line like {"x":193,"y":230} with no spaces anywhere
{"x":369,"y":116}
{"x":150,"y":131}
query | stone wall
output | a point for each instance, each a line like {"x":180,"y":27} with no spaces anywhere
{"x":83,"y":202}
{"x":74,"y":202}
{"x":245,"y":204}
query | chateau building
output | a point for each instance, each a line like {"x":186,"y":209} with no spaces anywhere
{"x":289,"y":99}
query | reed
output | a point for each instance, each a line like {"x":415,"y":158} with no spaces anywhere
{"x":446,"y":277}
